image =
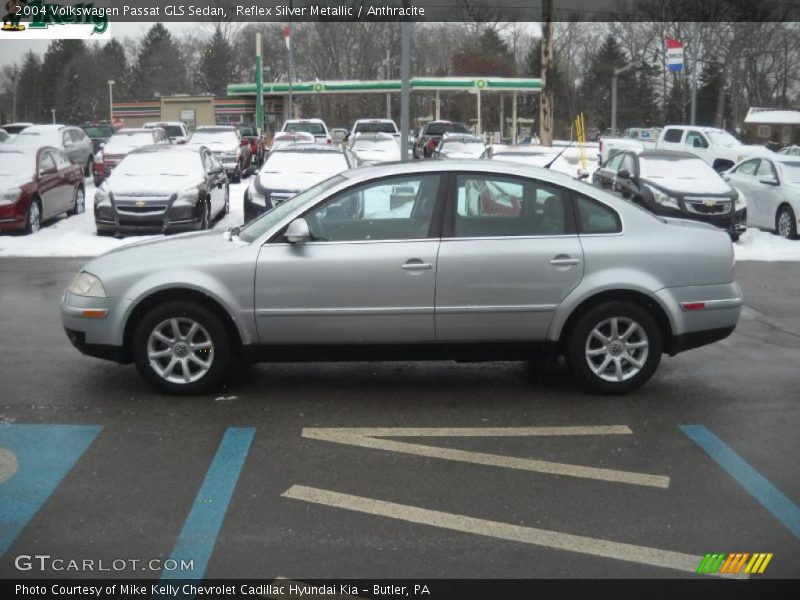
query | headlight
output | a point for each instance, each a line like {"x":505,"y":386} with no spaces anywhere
{"x":100,"y":196}
{"x":86,"y":284}
{"x":10,"y":196}
{"x":187,"y":197}
{"x":739,"y":203}
{"x":663,"y":199}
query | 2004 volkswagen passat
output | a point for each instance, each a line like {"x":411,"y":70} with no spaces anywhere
{"x":465,"y":260}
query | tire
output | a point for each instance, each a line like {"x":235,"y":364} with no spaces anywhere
{"x":237,"y":174}
{"x":226,"y":208}
{"x":205,"y":217}
{"x":166,"y":362}
{"x":785,"y":223}
{"x":79,"y":206}
{"x":613,"y":367}
{"x":734,"y":237}
{"x":33,"y":217}
{"x":89,"y":170}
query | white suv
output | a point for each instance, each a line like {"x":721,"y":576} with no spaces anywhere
{"x":176,"y":130}
{"x":315,"y":127}
{"x":375,"y":126}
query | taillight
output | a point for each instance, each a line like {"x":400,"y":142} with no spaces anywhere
{"x":601,"y":146}
{"x":328,"y":140}
{"x":432,"y":144}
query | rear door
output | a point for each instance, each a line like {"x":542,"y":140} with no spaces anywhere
{"x":49,"y":185}
{"x":744,"y":181}
{"x":66,"y":179}
{"x":509,"y":256}
{"x":604,"y":176}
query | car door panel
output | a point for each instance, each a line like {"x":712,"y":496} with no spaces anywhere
{"x":369,"y":278}
{"x":505,"y":287}
{"x":49,"y":186}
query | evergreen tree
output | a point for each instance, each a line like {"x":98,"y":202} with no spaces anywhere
{"x":595,"y":89}
{"x":159,"y":66}
{"x":113,"y":64}
{"x":59,"y":54}
{"x":677,"y":111}
{"x":708,"y":90}
{"x":217,"y":62}
{"x":29,"y":100}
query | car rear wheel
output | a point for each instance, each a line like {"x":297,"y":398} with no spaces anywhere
{"x":181,"y":348}
{"x":80,"y":202}
{"x":226,"y":208}
{"x":33,"y":218}
{"x":614,"y":347}
{"x":785,"y":223}
{"x":89,"y":169}
{"x":205,"y":216}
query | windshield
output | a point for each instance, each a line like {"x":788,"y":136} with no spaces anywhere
{"x":722,"y":138}
{"x":378,"y":127}
{"x":178,"y":164}
{"x":305,"y":162}
{"x":125,"y":141}
{"x":99,"y":131}
{"x":271,"y":218}
{"x":17,"y":163}
{"x":38,"y":138}
{"x":248,"y":131}
{"x":306,"y":126}
{"x":791,"y":171}
{"x":173,"y":130}
{"x":227,"y":138}
{"x":674,"y":168}
{"x":442,"y":128}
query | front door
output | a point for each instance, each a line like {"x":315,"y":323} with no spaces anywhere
{"x":508,"y":258}
{"x":367,"y":276}
{"x":49,"y":186}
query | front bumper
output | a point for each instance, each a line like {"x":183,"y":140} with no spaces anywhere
{"x":98,"y":337}
{"x":111,"y":218}
{"x":12,"y":216}
{"x":734,"y":222}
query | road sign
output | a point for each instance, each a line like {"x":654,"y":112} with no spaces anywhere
{"x":674,"y":54}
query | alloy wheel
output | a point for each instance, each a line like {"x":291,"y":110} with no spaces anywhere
{"x":180,"y":350}
{"x":785,"y":224}
{"x":616,"y":349}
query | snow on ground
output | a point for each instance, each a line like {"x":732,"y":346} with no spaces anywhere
{"x":77,"y":236}
{"x":762,"y":245}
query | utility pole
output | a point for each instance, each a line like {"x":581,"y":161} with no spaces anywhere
{"x":15,"y":85}
{"x":696,"y":52}
{"x":111,"y":100}
{"x":546,"y":99}
{"x":259,"y":87}
{"x":388,"y":75}
{"x":405,"y":87}
{"x":290,"y":57}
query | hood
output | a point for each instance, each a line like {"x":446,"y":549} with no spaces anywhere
{"x":462,"y":155}
{"x":378,"y":155}
{"x":172,"y":251}
{"x":217,"y":147}
{"x":692,"y":187}
{"x":156,"y":185}
{"x":291,"y":181}
{"x":12,"y":181}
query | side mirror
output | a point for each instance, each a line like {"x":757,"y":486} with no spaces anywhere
{"x":297,"y":232}
{"x":624,"y":174}
{"x":768,"y":180}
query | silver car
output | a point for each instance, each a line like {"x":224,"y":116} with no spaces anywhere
{"x":771,"y":189}
{"x":466,"y":260}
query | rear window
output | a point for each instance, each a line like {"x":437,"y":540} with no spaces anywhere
{"x":377,"y":127}
{"x":673,"y":135}
{"x":595,"y":217}
{"x":309,"y":127}
{"x":442,"y":128}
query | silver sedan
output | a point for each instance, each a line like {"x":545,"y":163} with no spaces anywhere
{"x":465,"y":260}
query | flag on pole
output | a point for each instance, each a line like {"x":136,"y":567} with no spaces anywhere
{"x":287,"y":36}
{"x":674,"y":54}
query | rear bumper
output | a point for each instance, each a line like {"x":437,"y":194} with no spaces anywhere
{"x":695,"y":339}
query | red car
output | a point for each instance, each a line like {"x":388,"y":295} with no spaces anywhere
{"x":37,"y":184}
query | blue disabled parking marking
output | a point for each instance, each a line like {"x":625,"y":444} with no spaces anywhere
{"x":758,"y":486}
{"x":40,"y":455}
{"x":199,"y":534}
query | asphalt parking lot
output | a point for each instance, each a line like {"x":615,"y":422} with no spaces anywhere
{"x":392,"y":470}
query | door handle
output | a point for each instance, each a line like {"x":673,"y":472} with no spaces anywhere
{"x":416,"y":265}
{"x":562,"y":260}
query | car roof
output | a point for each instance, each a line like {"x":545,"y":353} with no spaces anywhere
{"x":217,"y":128}
{"x":17,"y":124}
{"x":45,"y":128}
{"x":157,"y":123}
{"x":24,"y":149}
{"x":314,"y":120}
{"x":135,"y":130}
{"x":667,"y":154}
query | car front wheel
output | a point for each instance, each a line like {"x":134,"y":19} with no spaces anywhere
{"x":181,"y":348}
{"x":785,"y":224}
{"x":614,"y":347}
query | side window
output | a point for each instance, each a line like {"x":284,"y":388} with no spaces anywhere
{"x":61,"y":161}
{"x":673,"y":135}
{"x":66,"y":139}
{"x":695,"y":139}
{"x":765,"y":169}
{"x":628,"y":163}
{"x":595,"y":217}
{"x":749,"y":168}
{"x":78,"y":135}
{"x":494,"y":206}
{"x":614,"y":162}
{"x":393,"y":209}
{"x":46,"y":162}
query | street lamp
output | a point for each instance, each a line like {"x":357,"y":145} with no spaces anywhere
{"x":614,"y":78}
{"x":111,"y":100}
{"x":53,"y":112}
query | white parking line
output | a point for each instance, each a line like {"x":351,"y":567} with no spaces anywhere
{"x":8,"y":464}
{"x":646,"y":555}
{"x":362,"y":437}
